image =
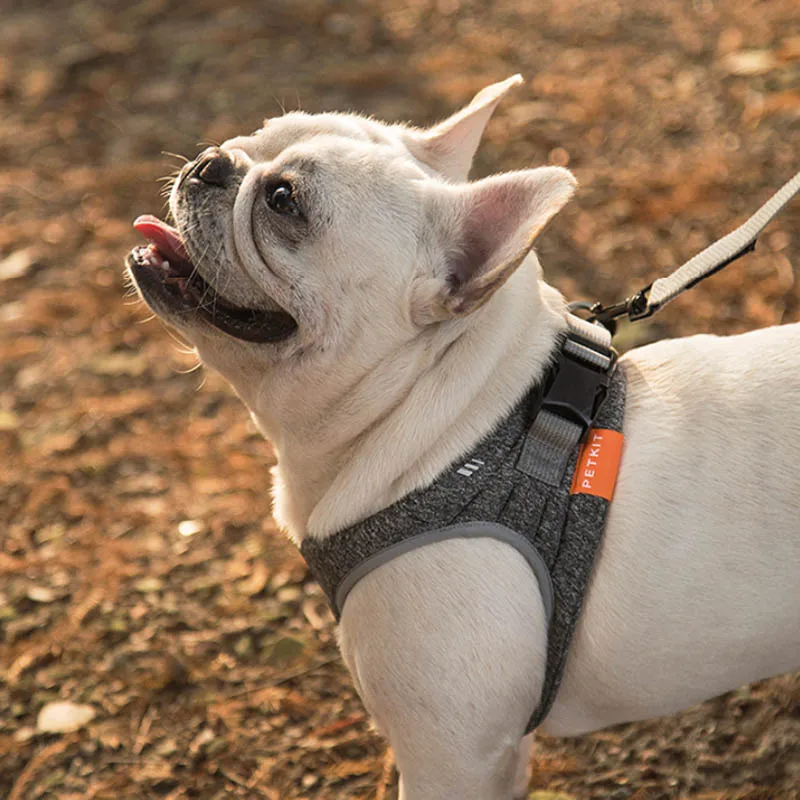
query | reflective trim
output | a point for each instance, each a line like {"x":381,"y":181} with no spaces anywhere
{"x":464,"y":530}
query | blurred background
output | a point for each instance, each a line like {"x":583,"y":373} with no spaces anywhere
{"x":142,"y":581}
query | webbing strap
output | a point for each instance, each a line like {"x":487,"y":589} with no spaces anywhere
{"x":722,"y":252}
{"x":548,"y":446}
{"x":590,"y":331}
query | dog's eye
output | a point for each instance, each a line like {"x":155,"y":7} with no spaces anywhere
{"x":280,"y":198}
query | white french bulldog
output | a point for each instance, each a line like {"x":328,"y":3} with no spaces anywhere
{"x":379,"y":315}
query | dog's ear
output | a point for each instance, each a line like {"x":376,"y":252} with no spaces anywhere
{"x":478,"y":234}
{"x":450,"y":146}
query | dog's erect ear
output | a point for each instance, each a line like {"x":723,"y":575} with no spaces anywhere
{"x":450,"y":146}
{"x":479,"y":233}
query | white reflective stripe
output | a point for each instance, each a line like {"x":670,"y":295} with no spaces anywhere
{"x":665,"y":289}
{"x":460,"y":530}
{"x":590,"y":331}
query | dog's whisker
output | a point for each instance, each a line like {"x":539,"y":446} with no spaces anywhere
{"x":180,"y":157}
{"x":280,"y":104}
{"x":190,"y":370}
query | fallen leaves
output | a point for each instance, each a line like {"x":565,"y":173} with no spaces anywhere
{"x":149,"y":584}
{"x":284,"y":651}
{"x":255,"y":583}
{"x":17,"y":264}
{"x":41,"y":594}
{"x":750,"y":62}
{"x":349,"y":768}
{"x":122,"y":363}
{"x":64,"y":717}
{"x":29,"y":773}
{"x":141,"y":572}
{"x":9,"y":421}
{"x":189,"y":527}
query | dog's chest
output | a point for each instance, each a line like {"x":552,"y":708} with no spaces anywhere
{"x":491,"y":493}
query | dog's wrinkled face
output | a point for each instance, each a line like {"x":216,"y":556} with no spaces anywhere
{"x":324,"y":233}
{"x":273,"y":228}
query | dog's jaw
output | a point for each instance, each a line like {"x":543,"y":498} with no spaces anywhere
{"x":170,"y":283}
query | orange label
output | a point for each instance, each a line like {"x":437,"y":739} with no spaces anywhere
{"x":598,"y":463}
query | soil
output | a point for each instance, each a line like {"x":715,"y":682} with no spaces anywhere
{"x":141,"y":572}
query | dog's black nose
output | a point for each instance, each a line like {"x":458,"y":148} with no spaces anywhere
{"x":215,"y":167}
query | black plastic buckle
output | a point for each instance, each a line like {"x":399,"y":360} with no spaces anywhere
{"x":578,"y":389}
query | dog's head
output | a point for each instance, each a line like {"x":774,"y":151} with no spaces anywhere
{"x":323,"y":238}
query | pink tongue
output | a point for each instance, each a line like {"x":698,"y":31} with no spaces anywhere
{"x":163,"y":236}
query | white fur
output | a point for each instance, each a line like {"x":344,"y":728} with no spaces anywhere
{"x":392,"y":376}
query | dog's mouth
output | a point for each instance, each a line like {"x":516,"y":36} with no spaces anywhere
{"x":168,"y":279}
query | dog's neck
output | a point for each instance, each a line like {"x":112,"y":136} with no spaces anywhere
{"x":365,"y":440}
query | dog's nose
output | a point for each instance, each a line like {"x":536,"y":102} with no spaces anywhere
{"x":215,"y":167}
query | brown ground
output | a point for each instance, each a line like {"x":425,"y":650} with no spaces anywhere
{"x":209,"y":658}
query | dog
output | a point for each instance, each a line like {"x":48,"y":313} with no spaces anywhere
{"x":378,"y":315}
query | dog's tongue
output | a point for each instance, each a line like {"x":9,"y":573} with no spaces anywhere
{"x":163,"y":236}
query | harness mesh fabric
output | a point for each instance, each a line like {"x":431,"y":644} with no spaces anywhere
{"x":563,"y":529}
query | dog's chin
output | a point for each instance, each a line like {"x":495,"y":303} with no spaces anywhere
{"x":173,"y":288}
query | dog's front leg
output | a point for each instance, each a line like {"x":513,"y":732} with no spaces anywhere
{"x":447,"y":647}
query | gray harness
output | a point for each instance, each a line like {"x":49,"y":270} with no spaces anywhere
{"x":513,"y":486}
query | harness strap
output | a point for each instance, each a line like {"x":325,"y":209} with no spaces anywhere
{"x":548,"y":446}
{"x":597,"y":335}
{"x":716,"y":256}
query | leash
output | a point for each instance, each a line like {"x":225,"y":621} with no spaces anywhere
{"x":715,"y":257}
{"x":586,"y":359}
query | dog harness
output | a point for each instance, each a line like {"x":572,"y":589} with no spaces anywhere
{"x":529,"y":483}
{"x":543,"y":479}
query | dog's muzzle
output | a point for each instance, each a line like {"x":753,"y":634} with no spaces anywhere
{"x":171,"y":285}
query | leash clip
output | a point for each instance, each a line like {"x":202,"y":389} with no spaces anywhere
{"x":635,"y":307}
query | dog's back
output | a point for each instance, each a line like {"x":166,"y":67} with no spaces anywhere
{"x":696,"y":588}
